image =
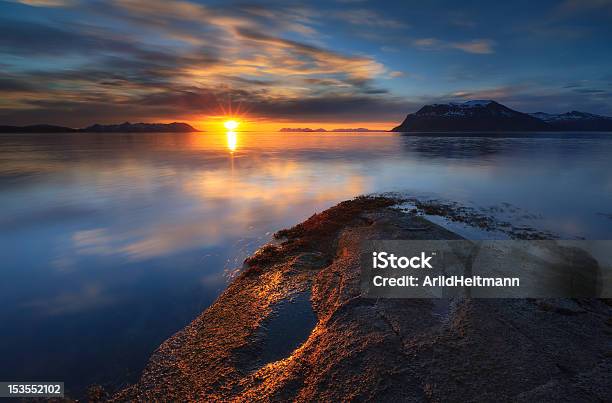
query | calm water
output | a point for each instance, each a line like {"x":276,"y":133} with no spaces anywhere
{"x":110,"y":243}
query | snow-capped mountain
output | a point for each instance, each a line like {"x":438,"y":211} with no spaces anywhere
{"x":574,"y":120}
{"x":477,"y":115}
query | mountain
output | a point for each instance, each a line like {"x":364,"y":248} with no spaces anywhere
{"x":128,"y":127}
{"x":477,"y":115}
{"x":574,"y":120}
{"x":36,"y":129}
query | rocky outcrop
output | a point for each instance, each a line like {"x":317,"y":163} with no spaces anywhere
{"x":367,"y":349}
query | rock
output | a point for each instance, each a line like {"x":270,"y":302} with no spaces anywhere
{"x":369,"y":349}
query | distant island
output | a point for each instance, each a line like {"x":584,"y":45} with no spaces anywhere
{"x":127,"y":127}
{"x":36,"y":129}
{"x":300,"y":130}
{"x":488,"y":115}
{"x":309,"y":130}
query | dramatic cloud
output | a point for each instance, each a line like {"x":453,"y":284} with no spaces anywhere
{"x":77,"y":62}
{"x":180,"y":54}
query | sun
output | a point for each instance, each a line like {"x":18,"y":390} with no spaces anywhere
{"x":231,"y":124}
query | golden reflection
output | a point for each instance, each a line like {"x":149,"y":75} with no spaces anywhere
{"x":281,"y":142}
{"x":233,"y":198}
{"x":232,"y":141}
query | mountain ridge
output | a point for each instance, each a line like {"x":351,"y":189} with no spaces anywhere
{"x":576,"y":120}
{"x":475,"y":115}
{"x":489,"y":115}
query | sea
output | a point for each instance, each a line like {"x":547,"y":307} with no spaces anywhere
{"x":110,"y":243}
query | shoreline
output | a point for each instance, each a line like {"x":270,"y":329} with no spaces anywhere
{"x":348,"y":347}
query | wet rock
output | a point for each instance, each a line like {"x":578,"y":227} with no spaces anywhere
{"x":367,"y":349}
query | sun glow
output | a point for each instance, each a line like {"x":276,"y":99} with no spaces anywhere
{"x":231,"y":124}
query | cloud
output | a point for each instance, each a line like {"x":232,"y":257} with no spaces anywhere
{"x":308,"y":59}
{"x":463,"y":23}
{"x":85,"y":298}
{"x":195,"y":103}
{"x":569,"y":7}
{"x":153,"y":59}
{"x":190,"y":21}
{"x":150,"y":57}
{"x":427,"y":42}
{"x":33,"y":39}
{"x":47,"y":3}
{"x":8,"y":84}
{"x":477,"y":46}
{"x":364,"y":17}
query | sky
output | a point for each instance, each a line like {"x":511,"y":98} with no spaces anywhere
{"x":343,"y":63}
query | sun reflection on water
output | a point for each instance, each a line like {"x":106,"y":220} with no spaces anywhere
{"x":232,"y":141}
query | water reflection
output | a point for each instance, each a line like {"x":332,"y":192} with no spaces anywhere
{"x":232,"y":140}
{"x":114,"y":241}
